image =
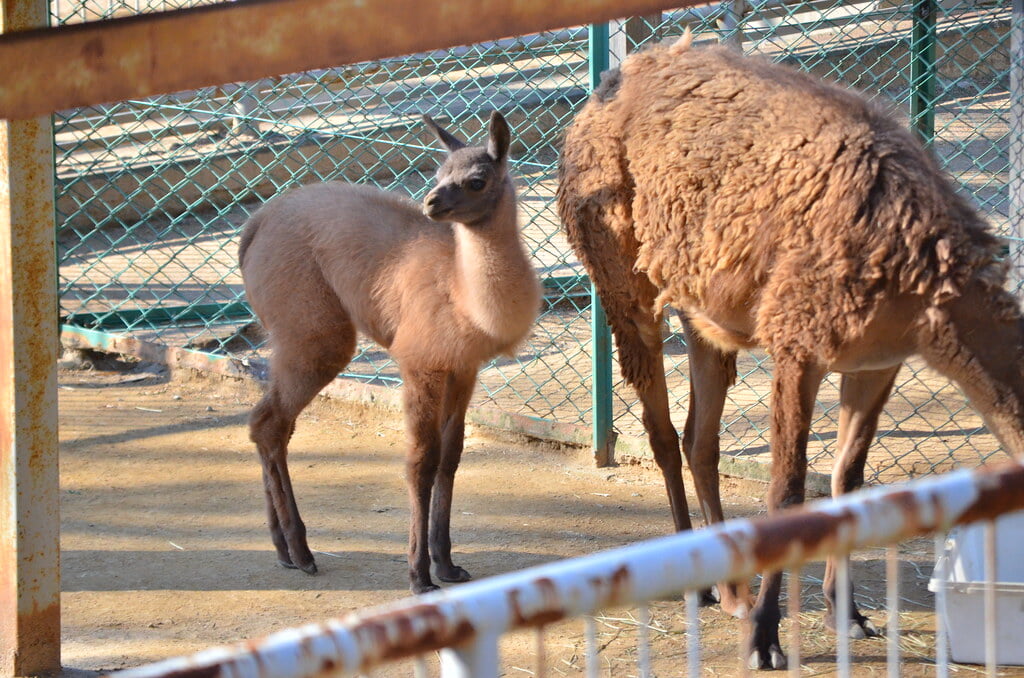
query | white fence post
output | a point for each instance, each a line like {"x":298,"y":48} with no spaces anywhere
{"x":478,"y":659}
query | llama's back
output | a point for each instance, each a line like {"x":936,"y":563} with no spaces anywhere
{"x":336,"y":245}
{"x":743,"y":184}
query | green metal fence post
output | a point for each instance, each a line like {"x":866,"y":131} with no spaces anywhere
{"x":922,"y":70}
{"x":601,"y":341}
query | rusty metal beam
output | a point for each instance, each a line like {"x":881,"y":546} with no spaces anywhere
{"x":29,"y":486}
{"x":119,"y":59}
{"x":470,"y":617}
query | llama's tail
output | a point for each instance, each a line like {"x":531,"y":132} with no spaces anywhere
{"x":682,"y":44}
{"x":248,"y":233}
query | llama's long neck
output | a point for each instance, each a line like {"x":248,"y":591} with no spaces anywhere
{"x":978,"y":341}
{"x":495,"y":283}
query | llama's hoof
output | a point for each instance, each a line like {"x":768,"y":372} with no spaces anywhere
{"x":864,"y":629}
{"x":308,"y":569}
{"x":417,"y":589}
{"x":289,"y":564}
{"x":453,"y":575}
{"x":738,"y":607}
{"x":871,"y":630}
{"x":860,"y":627}
{"x":772,"y":658}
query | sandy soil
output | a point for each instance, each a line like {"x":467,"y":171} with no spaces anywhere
{"x":165,"y":549}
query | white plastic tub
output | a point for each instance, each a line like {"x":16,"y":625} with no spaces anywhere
{"x":964,"y":611}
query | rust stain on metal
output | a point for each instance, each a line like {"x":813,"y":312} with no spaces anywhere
{"x":734,"y":548}
{"x":550,"y":610}
{"x":212,"y":671}
{"x":806,"y":531}
{"x":408,"y":632}
{"x":29,"y":513}
{"x":620,"y":582}
{"x":938,"y":510}
{"x":1000,"y":490}
{"x":92,"y":50}
{"x":911,"y":509}
{"x":614,"y":589}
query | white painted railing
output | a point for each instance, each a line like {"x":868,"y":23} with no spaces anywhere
{"x":466,"y":622}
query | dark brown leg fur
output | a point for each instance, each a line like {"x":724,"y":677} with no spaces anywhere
{"x":712,"y":372}
{"x":423,"y":394}
{"x":458,"y":393}
{"x":862,"y":396}
{"x":270,"y":426}
{"x":794,"y":388}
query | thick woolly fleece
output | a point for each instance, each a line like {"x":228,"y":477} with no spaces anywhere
{"x":729,"y":186}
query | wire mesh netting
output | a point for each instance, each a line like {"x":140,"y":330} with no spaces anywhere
{"x":152,"y":193}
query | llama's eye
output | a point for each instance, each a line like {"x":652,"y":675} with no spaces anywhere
{"x":476,"y":184}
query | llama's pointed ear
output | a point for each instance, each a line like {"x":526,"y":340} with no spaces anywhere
{"x":447,"y":140}
{"x":501,"y":137}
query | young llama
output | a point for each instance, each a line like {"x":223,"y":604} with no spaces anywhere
{"x":772,"y":209}
{"x":443,"y":288}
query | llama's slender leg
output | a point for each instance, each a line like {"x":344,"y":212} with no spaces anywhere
{"x":665,"y":442}
{"x":276,"y":533}
{"x":643,"y":365}
{"x":423,"y":397}
{"x":862,"y":396}
{"x":458,"y":393}
{"x":712,"y":372}
{"x":293,"y":384}
{"x":794,"y":388}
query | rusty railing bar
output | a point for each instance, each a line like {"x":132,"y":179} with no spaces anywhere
{"x":139,"y":56}
{"x":471,"y":617}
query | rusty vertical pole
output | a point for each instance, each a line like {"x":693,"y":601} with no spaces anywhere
{"x":29,"y":496}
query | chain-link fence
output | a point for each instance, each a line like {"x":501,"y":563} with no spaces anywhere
{"x":152,"y":193}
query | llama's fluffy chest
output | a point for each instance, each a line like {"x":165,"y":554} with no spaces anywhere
{"x":427,"y":309}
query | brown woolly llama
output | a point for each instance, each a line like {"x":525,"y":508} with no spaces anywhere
{"x":772,"y":209}
{"x":443,"y":288}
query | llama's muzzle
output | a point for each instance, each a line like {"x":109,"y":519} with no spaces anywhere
{"x":435,"y":207}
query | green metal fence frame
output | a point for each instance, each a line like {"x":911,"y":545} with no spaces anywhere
{"x":922,"y":101}
{"x":601,"y":337}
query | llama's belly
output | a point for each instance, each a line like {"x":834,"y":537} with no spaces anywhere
{"x":888,"y":339}
{"x":726,"y":334}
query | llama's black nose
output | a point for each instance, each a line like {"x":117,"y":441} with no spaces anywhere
{"x":434,"y":207}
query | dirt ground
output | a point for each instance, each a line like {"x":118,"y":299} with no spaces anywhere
{"x":165,"y":549}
